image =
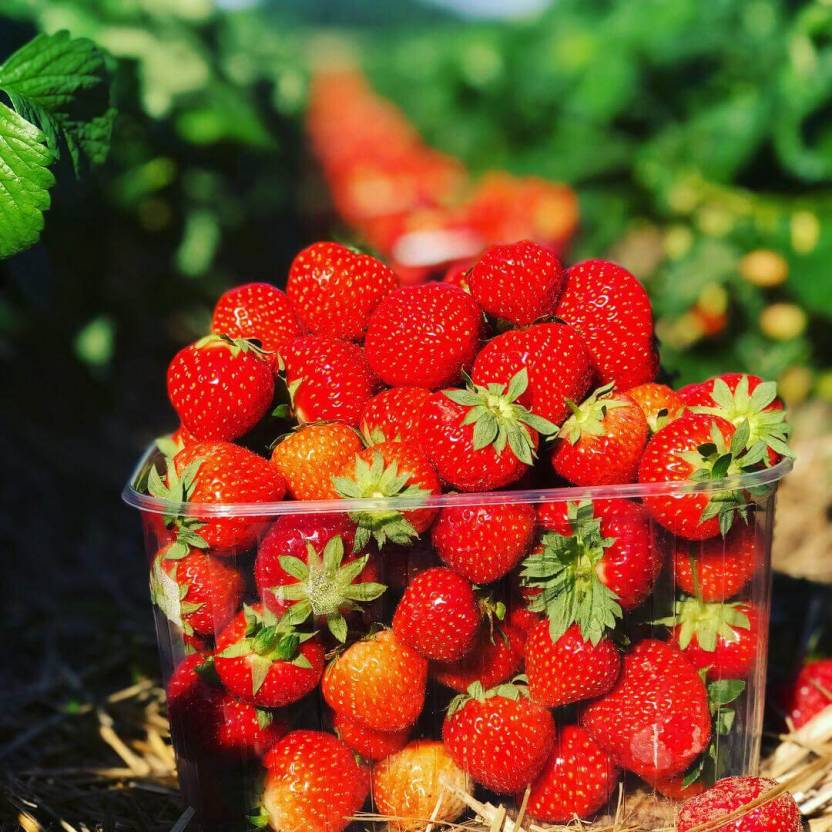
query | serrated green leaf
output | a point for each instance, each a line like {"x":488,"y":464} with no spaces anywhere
{"x":337,"y":625}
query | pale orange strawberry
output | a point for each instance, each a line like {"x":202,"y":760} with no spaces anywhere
{"x":659,"y":403}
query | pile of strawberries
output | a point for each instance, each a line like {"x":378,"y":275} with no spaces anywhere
{"x":401,"y":652}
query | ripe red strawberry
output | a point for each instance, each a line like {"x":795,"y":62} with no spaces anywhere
{"x":197,"y":592}
{"x":701,"y":447}
{"x":778,"y":815}
{"x":602,"y":441}
{"x":484,"y":543}
{"x":674,"y":788}
{"x":577,"y":781}
{"x":438,"y":615}
{"x":219,"y":387}
{"x":328,"y":379}
{"x":600,"y":558}
{"x":521,"y":617}
{"x":558,"y":363}
{"x":192,"y":708}
{"x":260,"y":311}
{"x":414,"y":786}
{"x":379,"y":682}
{"x":811,"y":692}
{"x":568,"y":668}
{"x":457,"y":274}
{"x":367,"y":742}
{"x":656,"y":720}
{"x":266,"y":662}
{"x":217,"y":472}
{"x":334,"y":289}
{"x":658,"y":402}
{"x":519,"y":282}
{"x":391,"y":469}
{"x":480,"y":439}
{"x":393,"y":415}
{"x":423,"y":336}
{"x":246,"y":731}
{"x":309,"y":457}
{"x":719,"y":568}
{"x":495,"y":658}
{"x":499,"y":736}
{"x":611,"y":310}
{"x":313,"y":782}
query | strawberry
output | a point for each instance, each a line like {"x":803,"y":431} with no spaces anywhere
{"x":438,"y":615}
{"x":391,"y":469}
{"x":577,"y":781}
{"x":602,"y":441}
{"x":676,"y":788}
{"x":811,"y":692}
{"x":559,"y":367}
{"x":780,"y":814}
{"x":521,"y":618}
{"x":220,"y":387}
{"x":310,"y":456}
{"x":333,"y":289}
{"x":259,"y":311}
{"x":485,"y":542}
{"x":568,"y":669}
{"x":495,"y":658}
{"x":658,"y":402}
{"x":328,"y":379}
{"x":612,"y":312}
{"x":367,"y":742}
{"x":499,"y":736}
{"x":264,"y":661}
{"x":457,"y":274}
{"x":379,"y":682}
{"x":193,"y":705}
{"x":518,"y":283}
{"x":313,"y":782}
{"x":656,"y":720}
{"x":393,"y":415}
{"x":216,"y":473}
{"x":246,"y":731}
{"x":600,"y":559}
{"x":423,"y":336}
{"x":413,"y":786}
{"x":719,"y":568}
{"x":479,"y":439}
{"x":195,"y":591}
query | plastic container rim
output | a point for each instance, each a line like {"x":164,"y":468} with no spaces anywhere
{"x":154,"y":505}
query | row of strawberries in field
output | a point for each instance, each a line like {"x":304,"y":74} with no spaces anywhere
{"x":513,"y":372}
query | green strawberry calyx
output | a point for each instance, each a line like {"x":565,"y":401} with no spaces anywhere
{"x":236,"y":346}
{"x":177,"y":488}
{"x":589,"y":417}
{"x":499,"y":420}
{"x":375,"y":481}
{"x":325,"y":587}
{"x":515,"y":690}
{"x":565,"y":571}
{"x":706,"y":623}
{"x":169,"y":594}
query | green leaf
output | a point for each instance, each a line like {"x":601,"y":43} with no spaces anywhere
{"x":260,"y":667}
{"x":724,"y":691}
{"x":337,"y":625}
{"x":264,"y":718}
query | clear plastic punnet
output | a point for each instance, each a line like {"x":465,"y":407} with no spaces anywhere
{"x":310,"y":689}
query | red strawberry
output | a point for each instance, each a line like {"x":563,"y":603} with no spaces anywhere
{"x":219,"y":387}
{"x":495,"y":658}
{"x":194,"y":590}
{"x":559,"y":367}
{"x":266,"y":662}
{"x":719,"y":568}
{"x":518,"y":282}
{"x":731,"y":794}
{"x":438,"y":615}
{"x":499,"y":736}
{"x":457,"y":274}
{"x":521,"y":618}
{"x":391,"y":469}
{"x":568,"y":668}
{"x":658,"y":402}
{"x":602,"y":441}
{"x":701,"y":447}
{"x":484,"y":543}
{"x":423,"y":336}
{"x":334,"y":289}
{"x":260,"y":311}
{"x":675,"y":788}
{"x":577,"y":781}
{"x":379,"y":682}
{"x":393,"y":415}
{"x":311,"y":456}
{"x":601,"y":558}
{"x":192,"y":708}
{"x":611,"y":310}
{"x":328,"y":379}
{"x":655,"y":721}
{"x":313,"y":782}
{"x":480,"y":439}
{"x":246,"y":731}
{"x":811,"y":692}
{"x":367,"y":742}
